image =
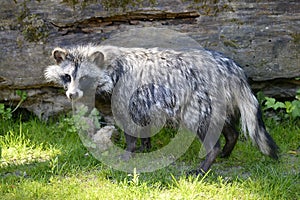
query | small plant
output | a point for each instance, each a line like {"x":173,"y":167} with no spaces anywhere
{"x":290,"y":109}
{"x":6,"y":113}
{"x":134,"y":178}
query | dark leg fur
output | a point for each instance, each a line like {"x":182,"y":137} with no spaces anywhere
{"x":211,"y":154}
{"x":209,"y":160}
{"x":130,"y":143}
{"x":231,"y":135}
{"x":130,"y":147}
{"x":145,"y":144}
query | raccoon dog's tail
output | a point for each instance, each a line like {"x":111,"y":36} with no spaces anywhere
{"x":251,"y":121}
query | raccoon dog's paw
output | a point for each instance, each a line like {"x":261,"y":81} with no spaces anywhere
{"x":126,"y":156}
{"x":196,"y":172}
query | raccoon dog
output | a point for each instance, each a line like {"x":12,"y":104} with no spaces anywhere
{"x":200,"y":89}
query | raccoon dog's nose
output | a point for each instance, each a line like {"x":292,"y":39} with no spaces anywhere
{"x":73,"y":96}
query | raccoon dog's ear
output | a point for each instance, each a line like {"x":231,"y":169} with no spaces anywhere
{"x":59,"y":55}
{"x":97,"y":58}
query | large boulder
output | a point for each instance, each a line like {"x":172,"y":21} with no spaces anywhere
{"x":262,"y":36}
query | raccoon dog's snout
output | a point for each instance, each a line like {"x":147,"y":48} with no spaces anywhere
{"x":74,"y":94}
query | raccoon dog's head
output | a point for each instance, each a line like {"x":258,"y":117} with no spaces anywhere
{"x":77,"y":70}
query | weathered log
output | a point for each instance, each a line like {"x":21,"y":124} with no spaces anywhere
{"x":262,"y":36}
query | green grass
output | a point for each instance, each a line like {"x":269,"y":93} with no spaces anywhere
{"x":48,"y":161}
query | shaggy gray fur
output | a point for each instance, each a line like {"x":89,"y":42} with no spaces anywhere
{"x":200,"y":89}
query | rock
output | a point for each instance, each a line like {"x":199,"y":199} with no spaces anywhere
{"x":102,"y":138}
{"x":262,"y":36}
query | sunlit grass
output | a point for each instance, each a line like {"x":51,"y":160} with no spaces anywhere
{"x":48,"y":161}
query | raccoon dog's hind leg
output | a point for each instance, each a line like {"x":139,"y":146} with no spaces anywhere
{"x":209,"y":159}
{"x":231,"y":136}
{"x":205,"y":132}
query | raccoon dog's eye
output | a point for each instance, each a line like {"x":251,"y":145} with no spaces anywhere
{"x":66,"y":78}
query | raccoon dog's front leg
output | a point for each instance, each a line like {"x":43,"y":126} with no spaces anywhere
{"x":130,"y":146}
{"x":145,"y":144}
